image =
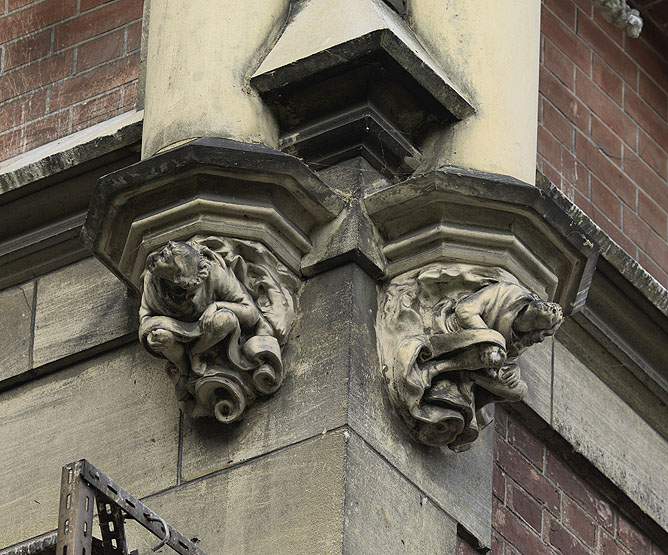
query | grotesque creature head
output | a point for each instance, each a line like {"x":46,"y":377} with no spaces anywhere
{"x":538,"y":320}
{"x":182,"y":264}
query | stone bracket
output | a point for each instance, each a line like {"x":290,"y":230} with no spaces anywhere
{"x":369,"y":90}
{"x":485,"y":219}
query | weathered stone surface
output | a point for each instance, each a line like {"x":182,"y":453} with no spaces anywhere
{"x":78,"y":308}
{"x":287,"y":502}
{"x":385,"y":513}
{"x":333,"y":344}
{"x":219,"y":310}
{"x":460,"y":483}
{"x":16,"y":306}
{"x":622,"y":376}
{"x":445,"y":318}
{"x":110,"y":410}
{"x":536,"y":367}
{"x":313,"y":396}
{"x":610,"y":434}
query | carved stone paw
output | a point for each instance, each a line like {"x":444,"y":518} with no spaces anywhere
{"x":160,"y":340}
{"x":492,"y":356}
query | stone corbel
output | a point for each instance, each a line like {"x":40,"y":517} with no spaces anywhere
{"x":479,"y":268}
{"x":211,"y":236}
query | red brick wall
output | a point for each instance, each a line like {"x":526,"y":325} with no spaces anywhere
{"x":542,"y":506}
{"x":64,"y":65}
{"x":603,"y":132}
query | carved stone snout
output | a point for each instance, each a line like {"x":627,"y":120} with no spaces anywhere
{"x":219,"y":311}
{"x":450,"y":336}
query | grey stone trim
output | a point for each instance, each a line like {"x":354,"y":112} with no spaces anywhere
{"x":44,"y":195}
{"x":70,"y":151}
{"x":610,"y":251}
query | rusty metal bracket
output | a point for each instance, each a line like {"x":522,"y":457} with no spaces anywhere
{"x":81,"y":485}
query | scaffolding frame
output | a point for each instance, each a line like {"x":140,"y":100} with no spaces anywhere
{"x":81,"y":485}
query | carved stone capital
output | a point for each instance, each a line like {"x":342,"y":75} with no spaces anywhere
{"x":207,"y":186}
{"x":465,"y":216}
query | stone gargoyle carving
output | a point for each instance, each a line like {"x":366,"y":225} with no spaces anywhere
{"x":449,"y":337}
{"x":218,"y":310}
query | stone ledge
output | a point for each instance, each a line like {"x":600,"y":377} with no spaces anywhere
{"x":44,"y":195}
{"x":627,"y":311}
{"x":610,"y":251}
{"x":70,"y":151}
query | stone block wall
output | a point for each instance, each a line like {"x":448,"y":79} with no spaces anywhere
{"x":603,"y":129}
{"x":64,"y":66}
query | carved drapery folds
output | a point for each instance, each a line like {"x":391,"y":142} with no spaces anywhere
{"x":450,"y":335}
{"x":218,"y":310}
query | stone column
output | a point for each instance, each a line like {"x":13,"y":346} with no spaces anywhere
{"x":492,"y":53}
{"x":200,"y":55}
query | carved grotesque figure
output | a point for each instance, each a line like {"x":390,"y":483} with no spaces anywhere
{"x":218,"y":310}
{"x":450,"y":336}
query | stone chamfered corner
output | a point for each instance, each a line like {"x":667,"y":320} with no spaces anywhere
{"x":477,"y":266}
{"x":212,"y":234}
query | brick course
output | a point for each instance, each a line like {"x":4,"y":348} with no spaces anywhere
{"x":604,"y":102}
{"x":541,"y":505}
{"x":65,"y":65}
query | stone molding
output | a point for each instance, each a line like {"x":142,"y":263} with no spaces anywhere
{"x":466,"y":216}
{"x":367,"y":88}
{"x":207,"y":186}
{"x":38,"y":233}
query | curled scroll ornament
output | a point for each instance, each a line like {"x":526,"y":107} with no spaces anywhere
{"x":449,"y":337}
{"x":219,"y":310}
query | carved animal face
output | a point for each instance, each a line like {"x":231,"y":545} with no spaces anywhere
{"x":177,"y":263}
{"x":539,"y":320}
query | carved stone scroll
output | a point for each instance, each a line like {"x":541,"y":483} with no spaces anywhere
{"x":219,"y":310}
{"x":450,"y":335}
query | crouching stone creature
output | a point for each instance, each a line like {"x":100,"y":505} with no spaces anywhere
{"x":219,"y":311}
{"x":450,"y":336}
